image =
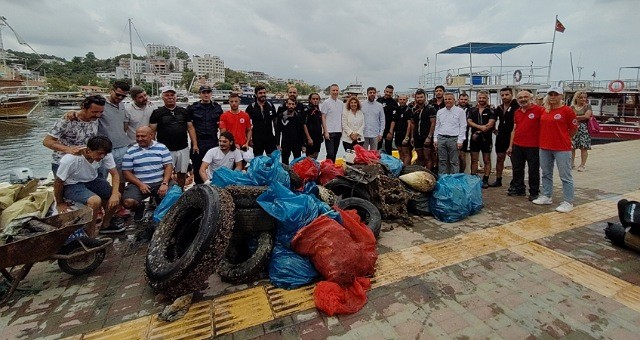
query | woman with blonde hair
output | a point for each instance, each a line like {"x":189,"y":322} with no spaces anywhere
{"x":581,"y":140}
{"x":352,"y":124}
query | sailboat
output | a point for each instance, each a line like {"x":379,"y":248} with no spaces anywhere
{"x":17,"y":98}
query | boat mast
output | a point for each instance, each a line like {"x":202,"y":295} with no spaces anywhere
{"x":551,"y":55}
{"x":4,"y":60}
{"x":133,"y":78}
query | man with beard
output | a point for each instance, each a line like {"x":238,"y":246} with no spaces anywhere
{"x":111,"y":124}
{"x":481,"y":120}
{"x":463,"y":103}
{"x":313,"y":126}
{"x":137,"y":112}
{"x":504,"y":118}
{"x":332,"y":109}
{"x":374,"y":120}
{"x":438,"y":100}
{"x":389,"y":105}
{"x":401,"y":127}
{"x":173,"y":125}
{"x":263,"y":118}
{"x":205,"y":116}
{"x":423,"y":124}
{"x":523,"y":146}
{"x":292,"y":92}
{"x":289,"y":125}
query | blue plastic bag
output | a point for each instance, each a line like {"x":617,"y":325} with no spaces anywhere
{"x":267,"y":169}
{"x":455,"y":197}
{"x":224,"y":176}
{"x":167,"y":202}
{"x":289,"y":270}
{"x":394,"y":164}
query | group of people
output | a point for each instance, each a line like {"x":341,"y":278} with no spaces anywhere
{"x":153,"y":148}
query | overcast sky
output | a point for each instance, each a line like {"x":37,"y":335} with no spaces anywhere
{"x":330,"y":41}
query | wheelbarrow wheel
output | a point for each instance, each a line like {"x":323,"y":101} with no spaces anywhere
{"x":82,"y":264}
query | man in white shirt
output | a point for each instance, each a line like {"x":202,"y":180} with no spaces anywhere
{"x":451,"y":123}
{"x":223,"y":155}
{"x":332,"y":109}
{"x":77,"y":180}
{"x":137,"y":112}
{"x":374,"y":120}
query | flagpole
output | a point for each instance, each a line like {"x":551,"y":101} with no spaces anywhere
{"x":551,"y":56}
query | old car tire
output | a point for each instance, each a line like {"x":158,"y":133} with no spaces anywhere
{"x":415,"y":167}
{"x":253,"y":220}
{"x":244,"y":196}
{"x":82,"y":264}
{"x":369,"y":214}
{"x":240,"y":270}
{"x":345,"y":188}
{"x":190,"y":241}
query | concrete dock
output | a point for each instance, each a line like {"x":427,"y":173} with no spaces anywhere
{"x":515,"y":270}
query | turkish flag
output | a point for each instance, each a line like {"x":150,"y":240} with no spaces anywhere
{"x":559,"y":26}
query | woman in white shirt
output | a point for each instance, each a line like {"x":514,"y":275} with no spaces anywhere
{"x":352,"y":124}
{"x":223,"y":155}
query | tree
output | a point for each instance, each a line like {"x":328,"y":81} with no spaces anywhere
{"x":224,"y":86}
{"x":182,"y":55}
{"x":163,"y":53}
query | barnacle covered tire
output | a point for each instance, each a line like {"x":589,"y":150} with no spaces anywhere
{"x":190,"y":241}
{"x":244,"y":196}
{"x":369,"y":214}
{"x":83,"y":264}
{"x":253,"y":220}
{"x":344,"y":188}
{"x":236,"y":268}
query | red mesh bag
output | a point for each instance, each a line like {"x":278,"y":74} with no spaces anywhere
{"x":332,"y":298}
{"x":366,"y":156}
{"x":307,"y":169}
{"x":329,"y":171}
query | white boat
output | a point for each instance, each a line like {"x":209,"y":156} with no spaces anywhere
{"x":355,"y":89}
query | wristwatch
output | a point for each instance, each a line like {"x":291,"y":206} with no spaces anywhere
{"x":165,"y":183}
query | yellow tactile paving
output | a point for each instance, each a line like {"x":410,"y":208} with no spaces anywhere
{"x":134,"y":329}
{"x":241,"y":310}
{"x":255,"y":306}
{"x":196,"y":324}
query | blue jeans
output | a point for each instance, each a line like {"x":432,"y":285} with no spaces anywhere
{"x":563,"y":162}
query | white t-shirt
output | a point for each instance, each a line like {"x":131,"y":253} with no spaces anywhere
{"x":77,"y":169}
{"x":217,"y":159}
{"x":137,"y":117}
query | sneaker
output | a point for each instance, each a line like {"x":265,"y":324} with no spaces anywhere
{"x":542,"y":200}
{"x":116,"y":226}
{"x":516,"y":193}
{"x":581,"y":168}
{"x":564,"y":207}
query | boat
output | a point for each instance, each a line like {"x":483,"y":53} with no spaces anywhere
{"x":354,"y":89}
{"x":17,"y":99}
{"x":614,"y":131}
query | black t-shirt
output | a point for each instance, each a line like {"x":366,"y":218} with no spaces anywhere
{"x":434,"y":103}
{"x":422,"y":119}
{"x":506,"y":118}
{"x":205,"y":118}
{"x":401,"y":116}
{"x":262,"y":121}
{"x":388,"y":105}
{"x":481,"y":119}
{"x":313,"y":120}
{"x":172,"y":127}
{"x":290,"y":129}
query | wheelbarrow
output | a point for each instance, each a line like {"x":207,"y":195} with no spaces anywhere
{"x":78,"y":256}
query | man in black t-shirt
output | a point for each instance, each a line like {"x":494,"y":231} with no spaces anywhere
{"x":463,"y":103}
{"x":172,"y":124}
{"x":481,"y":119}
{"x":424,"y":122}
{"x":388,"y":105}
{"x":263,"y":119}
{"x":401,"y":128}
{"x":312,"y":127}
{"x":504,"y":118}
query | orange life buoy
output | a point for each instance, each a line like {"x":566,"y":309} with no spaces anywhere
{"x":616,"y":85}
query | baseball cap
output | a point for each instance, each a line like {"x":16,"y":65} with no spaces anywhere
{"x":556,"y":89}
{"x":204,"y":88}
{"x":168,"y":89}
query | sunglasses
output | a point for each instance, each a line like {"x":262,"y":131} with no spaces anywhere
{"x":120,"y":95}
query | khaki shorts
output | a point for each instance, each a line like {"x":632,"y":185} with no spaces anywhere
{"x":180,"y":160}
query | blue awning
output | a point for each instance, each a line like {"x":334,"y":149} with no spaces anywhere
{"x":486,"y":48}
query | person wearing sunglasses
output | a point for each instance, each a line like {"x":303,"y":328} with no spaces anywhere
{"x":111,"y":124}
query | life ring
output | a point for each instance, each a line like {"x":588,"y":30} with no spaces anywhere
{"x":449,"y":79}
{"x":517,"y":76}
{"x":616,"y":85}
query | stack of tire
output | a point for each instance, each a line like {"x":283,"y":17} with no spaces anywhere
{"x":353,"y":195}
{"x":193,"y":240}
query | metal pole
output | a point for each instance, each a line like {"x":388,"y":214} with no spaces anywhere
{"x":470,"y":67}
{"x":131,"y":73}
{"x":551,"y":55}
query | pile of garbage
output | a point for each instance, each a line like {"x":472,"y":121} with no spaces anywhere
{"x":625,"y":234}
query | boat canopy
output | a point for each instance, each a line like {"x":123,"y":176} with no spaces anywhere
{"x":486,"y":48}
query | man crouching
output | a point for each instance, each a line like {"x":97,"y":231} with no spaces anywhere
{"x":77,"y":180}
